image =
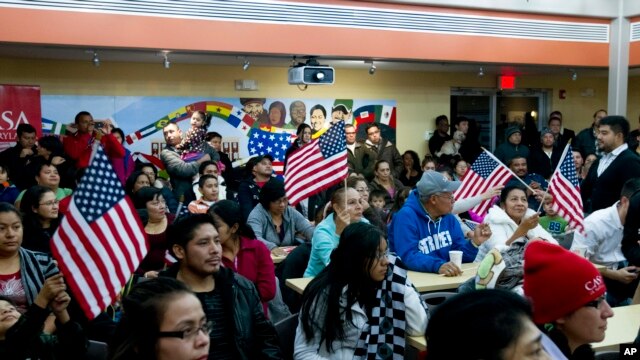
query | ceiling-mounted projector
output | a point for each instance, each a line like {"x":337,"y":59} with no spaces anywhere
{"x":311,"y":73}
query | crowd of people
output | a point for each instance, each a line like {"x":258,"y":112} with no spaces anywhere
{"x":219,"y":293}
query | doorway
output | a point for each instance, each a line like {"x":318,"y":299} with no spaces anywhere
{"x":493,"y":111}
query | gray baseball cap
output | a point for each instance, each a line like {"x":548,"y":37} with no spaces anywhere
{"x":432,"y":182}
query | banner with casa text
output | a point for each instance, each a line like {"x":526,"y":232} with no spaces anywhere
{"x":19,"y":104}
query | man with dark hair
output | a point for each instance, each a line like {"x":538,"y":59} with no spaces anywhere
{"x":561,"y":135}
{"x":544,"y":157}
{"x":181,"y":173}
{"x":255,"y":108}
{"x":617,"y":165}
{"x":441,"y":135}
{"x":601,"y":245}
{"x":384,"y":149}
{"x":260,"y":170}
{"x":16,"y":158}
{"x":535,"y":182}
{"x":586,"y":140}
{"x":230,"y":301}
{"x":360,"y":158}
{"x":79,"y":145}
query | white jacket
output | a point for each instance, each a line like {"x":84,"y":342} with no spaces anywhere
{"x":503,"y":227}
{"x":416,"y":320}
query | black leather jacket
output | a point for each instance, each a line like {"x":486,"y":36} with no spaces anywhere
{"x":254,"y":336}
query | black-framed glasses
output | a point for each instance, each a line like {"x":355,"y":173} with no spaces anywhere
{"x":597,"y":303}
{"x":190,"y":333}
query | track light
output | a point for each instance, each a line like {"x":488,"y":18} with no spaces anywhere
{"x":166,"y":63}
{"x":96,"y":60}
{"x":246,"y":64}
{"x":372,"y":69}
{"x":481,"y":72}
{"x":574,"y":75}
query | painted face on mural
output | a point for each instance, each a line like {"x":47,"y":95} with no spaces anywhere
{"x":338,"y":115}
{"x":254,"y":109}
{"x":317,"y":120}
{"x":298,"y":112}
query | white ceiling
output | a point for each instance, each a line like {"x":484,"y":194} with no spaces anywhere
{"x":151,"y":56}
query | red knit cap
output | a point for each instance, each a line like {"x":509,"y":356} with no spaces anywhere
{"x":558,"y":281}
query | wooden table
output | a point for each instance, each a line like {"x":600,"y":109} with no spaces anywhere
{"x":622,"y":328}
{"x":434,"y":282}
{"x":422,"y":281}
{"x":279,"y":259}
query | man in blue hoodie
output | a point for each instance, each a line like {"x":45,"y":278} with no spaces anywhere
{"x":424,"y":231}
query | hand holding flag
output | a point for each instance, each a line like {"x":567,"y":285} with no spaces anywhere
{"x":486,"y":172}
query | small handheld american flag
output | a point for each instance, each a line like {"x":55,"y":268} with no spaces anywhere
{"x":565,"y":188}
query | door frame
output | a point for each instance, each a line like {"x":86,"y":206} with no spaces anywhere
{"x":543,"y":95}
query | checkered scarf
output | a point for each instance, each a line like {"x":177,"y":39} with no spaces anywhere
{"x":384,"y":338}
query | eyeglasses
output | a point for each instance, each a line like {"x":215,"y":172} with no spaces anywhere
{"x":50,"y":203}
{"x":448,"y":197}
{"x":190,"y":333}
{"x":380,"y":256}
{"x":596,"y":303}
{"x":350,"y":133}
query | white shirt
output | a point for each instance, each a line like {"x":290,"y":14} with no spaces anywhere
{"x":608,"y":158}
{"x":352,"y":148}
{"x":603,"y":237}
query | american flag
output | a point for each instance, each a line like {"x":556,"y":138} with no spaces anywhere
{"x":275,"y":144}
{"x":317,"y":165}
{"x":100,"y":241}
{"x":565,"y":188}
{"x":485,"y":173}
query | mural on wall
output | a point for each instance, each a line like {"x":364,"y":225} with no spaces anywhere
{"x":249,"y":126}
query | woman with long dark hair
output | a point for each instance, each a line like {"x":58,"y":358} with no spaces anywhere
{"x":40,"y":211}
{"x":241,"y":251}
{"x":153,"y":211}
{"x":411,"y":171}
{"x":385,"y":181}
{"x":345,"y":309}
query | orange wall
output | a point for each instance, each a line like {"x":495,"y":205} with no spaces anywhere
{"x":155,"y":33}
